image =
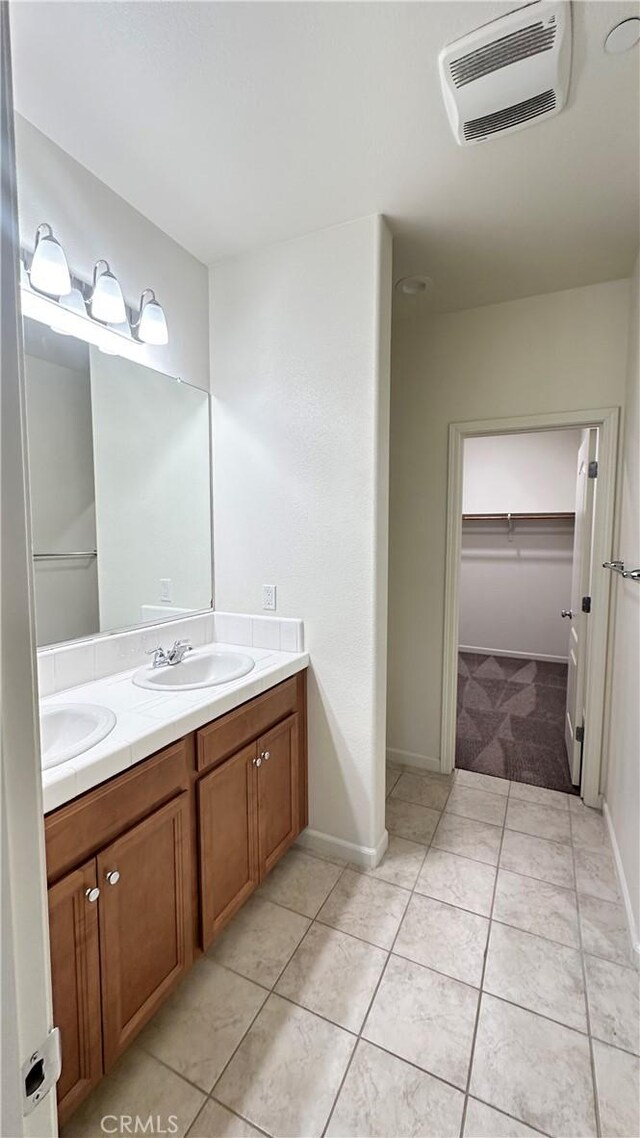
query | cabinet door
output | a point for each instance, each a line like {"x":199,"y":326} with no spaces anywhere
{"x":145,"y":921}
{"x":75,"y":975}
{"x":227,"y":813}
{"x":278,"y":803}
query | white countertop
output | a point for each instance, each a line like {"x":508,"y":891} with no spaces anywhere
{"x":148,"y":720}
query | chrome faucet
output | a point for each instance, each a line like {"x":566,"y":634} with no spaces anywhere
{"x":175,"y":655}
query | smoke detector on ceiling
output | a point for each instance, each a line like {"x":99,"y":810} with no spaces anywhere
{"x":509,"y":74}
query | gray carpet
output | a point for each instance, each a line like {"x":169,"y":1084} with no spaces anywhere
{"x":511,"y":719}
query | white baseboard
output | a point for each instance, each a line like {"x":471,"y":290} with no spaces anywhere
{"x":515,"y":655}
{"x":410,"y":759}
{"x":634,"y":932}
{"x":326,"y":845}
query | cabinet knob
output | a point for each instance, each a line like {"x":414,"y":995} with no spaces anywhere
{"x":112,"y":876}
{"x":266,"y":755}
{"x":258,"y":762}
{"x":92,"y":894}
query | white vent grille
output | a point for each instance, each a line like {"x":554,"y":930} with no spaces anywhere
{"x":510,"y":116}
{"x":508,"y":74}
{"x":502,"y":52}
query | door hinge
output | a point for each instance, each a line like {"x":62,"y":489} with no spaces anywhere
{"x":41,"y":1071}
{"x":586,"y":604}
{"x":580,"y":734}
{"x":593,"y":469}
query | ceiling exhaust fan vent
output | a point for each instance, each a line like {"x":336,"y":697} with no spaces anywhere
{"x":509,"y":73}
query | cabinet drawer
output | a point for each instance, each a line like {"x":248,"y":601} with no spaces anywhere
{"x":233,"y":731}
{"x":78,"y":830}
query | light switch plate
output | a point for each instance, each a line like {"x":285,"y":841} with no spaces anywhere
{"x":166,"y":589}
{"x":269,"y":597}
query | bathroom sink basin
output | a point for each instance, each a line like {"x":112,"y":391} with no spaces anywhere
{"x":71,"y":728}
{"x":198,"y":670}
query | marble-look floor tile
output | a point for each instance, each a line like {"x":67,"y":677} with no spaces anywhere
{"x":537,"y":857}
{"x":392,"y":776}
{"x":457,"y":880}
{"x":479,"y":804}
{"x":334,"y":975}
{"x":286,"y":1073}
{"x":596,"y":873}
{"x":384,"y":1096}
{"x":614,"y":1003}
{"x":481,"y":781}
{"x":411,"y":821}
{"x":443,"y":937}
{"x":588,"y":828}
{"x":260,"y":940}
{"x":400,"y":864}
{"x":432,"y":792}
{"x":138,"y":1085}
{"x":465,"y":836}
{"x":202,"y":1023}
{"x":484,"y":1121}
{"x":618,"y":1089}
{"x":300,"y":882}
{"x":215,"y":1121}
{"x":605,"y":931}
{"x":538,"y":820}
{"x":536,"y":974}
{"x":535,"y":1069}
{"x":537,"y":907}
{"x":366,"y":908}
{"x":424,"y":1017}
{"x":556,"y":798}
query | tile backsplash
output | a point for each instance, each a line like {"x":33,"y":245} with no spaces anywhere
{"x":69,"y":665}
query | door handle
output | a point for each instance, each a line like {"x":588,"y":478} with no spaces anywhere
{"x":567,"y":612}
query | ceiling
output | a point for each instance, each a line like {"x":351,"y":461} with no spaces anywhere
{"x":234,"y":125}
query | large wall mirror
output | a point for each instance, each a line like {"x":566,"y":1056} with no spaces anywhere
{"x":119,"y":465}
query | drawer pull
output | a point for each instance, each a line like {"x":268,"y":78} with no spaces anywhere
{"x":92,"y":894}
{"x":112,"y":876}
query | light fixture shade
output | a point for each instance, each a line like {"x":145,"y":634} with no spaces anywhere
{"x":49,"y":271}
{"x":151,"y":325}
{"x":73,"y":302}
{"x":107,"y":301}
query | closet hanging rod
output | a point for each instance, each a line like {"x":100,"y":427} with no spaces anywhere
{"x":63,"y":556}
{"x":557,"y":516}
{"x":618,"y":567}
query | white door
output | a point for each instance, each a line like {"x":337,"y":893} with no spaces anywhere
{"x":26,"y":985}
{"x":580,"y":587}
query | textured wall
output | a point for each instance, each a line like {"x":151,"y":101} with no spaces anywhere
{"x":300,"y":382}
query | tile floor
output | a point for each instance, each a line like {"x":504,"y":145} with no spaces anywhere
{"x":477,"y":983}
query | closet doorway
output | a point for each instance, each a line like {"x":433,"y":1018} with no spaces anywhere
{"x":527,"y":600}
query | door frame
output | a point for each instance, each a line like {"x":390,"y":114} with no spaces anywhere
{"x":607,"y":420}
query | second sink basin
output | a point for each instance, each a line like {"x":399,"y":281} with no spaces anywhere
{"x":197,"y":670}
{"x":68,"y":729}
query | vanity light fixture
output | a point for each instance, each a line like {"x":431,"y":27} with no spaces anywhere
{"x":151,"y":325}
{"x":49,"y":271}
{"x":107,"y":302}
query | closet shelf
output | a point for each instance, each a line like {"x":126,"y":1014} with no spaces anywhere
{"x":557,"y":516}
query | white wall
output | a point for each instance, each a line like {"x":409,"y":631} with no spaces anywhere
{"x":530,"y":473}
{"x":63,"y":516}
{"x":513,"y":586}
{"x":561,"y":351}
{"x":300,"y":374}
{"x":622,"y":791}
{"x":91,"y":222}
{"x":152,"y":481}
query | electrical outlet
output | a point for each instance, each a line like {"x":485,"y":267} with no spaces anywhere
{"x":166,"y":590}
{"x":269,"y":597}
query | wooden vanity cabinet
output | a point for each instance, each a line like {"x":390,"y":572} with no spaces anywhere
{"x":197,"y":825}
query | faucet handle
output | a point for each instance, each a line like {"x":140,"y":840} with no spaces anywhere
{"x":152,"y":651}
